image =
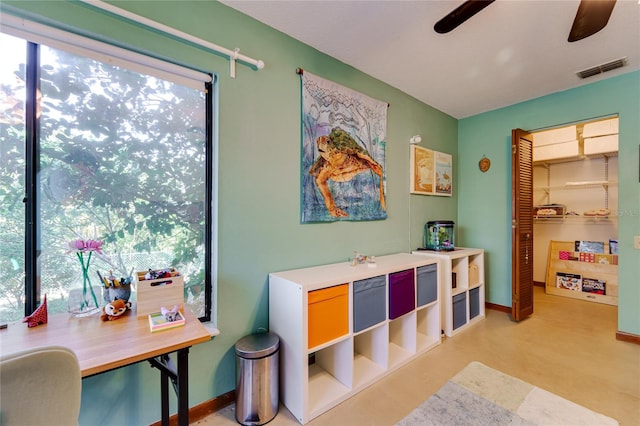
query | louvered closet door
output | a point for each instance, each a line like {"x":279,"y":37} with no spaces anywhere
{"x":521,"y":224}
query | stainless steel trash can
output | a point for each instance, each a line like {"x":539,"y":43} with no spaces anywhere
{"x":257,"y":359}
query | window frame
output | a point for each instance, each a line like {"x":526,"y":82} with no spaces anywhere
{"x":32,"y":161}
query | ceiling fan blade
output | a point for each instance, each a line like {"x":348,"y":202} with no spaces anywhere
{"x":592,"y":16}
{"x":463,"y":12}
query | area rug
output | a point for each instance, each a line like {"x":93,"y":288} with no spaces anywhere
{"x":480,"y":395}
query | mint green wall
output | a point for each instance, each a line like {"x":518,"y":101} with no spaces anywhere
{"x":259,"y":168}
{"x":485,"y":199}
{"x":259,"y":151}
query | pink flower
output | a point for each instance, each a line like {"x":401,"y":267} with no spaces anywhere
{"x":93,"y":245}
{"x":81,"y":246}
{"x":76,"y":245}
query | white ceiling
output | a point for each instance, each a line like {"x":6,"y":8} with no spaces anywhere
{"x":512,"y":51}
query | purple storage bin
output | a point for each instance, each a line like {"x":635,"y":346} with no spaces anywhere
{"x":402,"y":293}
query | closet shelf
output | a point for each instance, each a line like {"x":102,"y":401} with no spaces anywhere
{"x":577,"y":219}
{"x":590,"y":184}
{"x":578,"y":185}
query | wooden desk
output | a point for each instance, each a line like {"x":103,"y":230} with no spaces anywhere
{"x":105,"y":345}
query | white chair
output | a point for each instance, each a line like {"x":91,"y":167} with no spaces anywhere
{"x":40,"y":386}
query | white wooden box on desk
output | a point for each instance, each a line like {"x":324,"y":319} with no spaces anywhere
{"x":350,"y":363}
{"x":151,"y":297}
{"x":458,"y":261}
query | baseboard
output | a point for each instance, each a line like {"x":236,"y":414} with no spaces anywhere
{"x":204,"y":409}
{"x":495,"y":307}
{"x":209,"y":407}
{"x":628,"y":337}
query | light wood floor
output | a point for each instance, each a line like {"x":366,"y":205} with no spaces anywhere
{"x":567,"y":347}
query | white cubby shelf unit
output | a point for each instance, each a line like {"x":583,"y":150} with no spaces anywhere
{"x":462,"y":287}
{"x":390,"y":312}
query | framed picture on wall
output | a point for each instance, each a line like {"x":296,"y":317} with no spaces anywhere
{"x":431,"y":172}
{"x":444,"y":174}
{"x":422,"y":170}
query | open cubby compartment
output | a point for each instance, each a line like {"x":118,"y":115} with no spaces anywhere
{"x":370,"y":355}
{"x":460,"y":267}
{"x":402,"y":339}
{"x":330,"y":376}
{"x":427,"y":327}
{"x":476,"y":263}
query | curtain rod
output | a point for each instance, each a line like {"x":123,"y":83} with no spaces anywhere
{"x":61,"y":36}
{"x":234,"y":55}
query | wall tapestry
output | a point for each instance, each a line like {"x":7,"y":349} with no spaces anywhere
{"x":343,"y":153}
{"x":431,"y":172}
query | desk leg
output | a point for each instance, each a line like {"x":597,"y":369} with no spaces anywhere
{"x":164,"y":397}
{"x":180,"y":381}
{"x":182,"y":387}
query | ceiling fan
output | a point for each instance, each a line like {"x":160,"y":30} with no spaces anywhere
{"x":592,"y":16}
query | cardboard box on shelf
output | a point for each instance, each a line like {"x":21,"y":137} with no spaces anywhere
{"x":550,"y":210}
{"x":474,"y":274}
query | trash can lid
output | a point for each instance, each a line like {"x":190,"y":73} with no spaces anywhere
{"x":257,"y":345}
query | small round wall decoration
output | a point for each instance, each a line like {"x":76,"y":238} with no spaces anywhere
{"x":484,"y":164}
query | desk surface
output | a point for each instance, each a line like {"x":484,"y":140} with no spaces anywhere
{"x":104,"y":345}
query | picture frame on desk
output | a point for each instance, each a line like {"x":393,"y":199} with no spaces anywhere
{"x":159,"y":322}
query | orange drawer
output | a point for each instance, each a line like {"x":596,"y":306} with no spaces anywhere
{"x":328,"y":314}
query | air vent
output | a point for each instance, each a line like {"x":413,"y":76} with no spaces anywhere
{"x":602,"y":68}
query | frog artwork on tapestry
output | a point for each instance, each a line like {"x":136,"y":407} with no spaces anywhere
{"x":343,"y":153}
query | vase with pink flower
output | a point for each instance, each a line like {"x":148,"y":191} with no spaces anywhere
{"x":84,"y":302}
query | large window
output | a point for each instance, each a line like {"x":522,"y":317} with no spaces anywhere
{"x":90,"y":150}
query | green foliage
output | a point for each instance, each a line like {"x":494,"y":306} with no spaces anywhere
{"x":122,"y":159}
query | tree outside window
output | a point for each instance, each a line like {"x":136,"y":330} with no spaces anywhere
{"x":122,"y":159}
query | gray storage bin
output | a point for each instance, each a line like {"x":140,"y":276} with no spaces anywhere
{"x":257,"y":359}
{"x":459,"y":310}
{"x":427,"y":284}
{"x":369,"y":307}
{"x":474,"y":302}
